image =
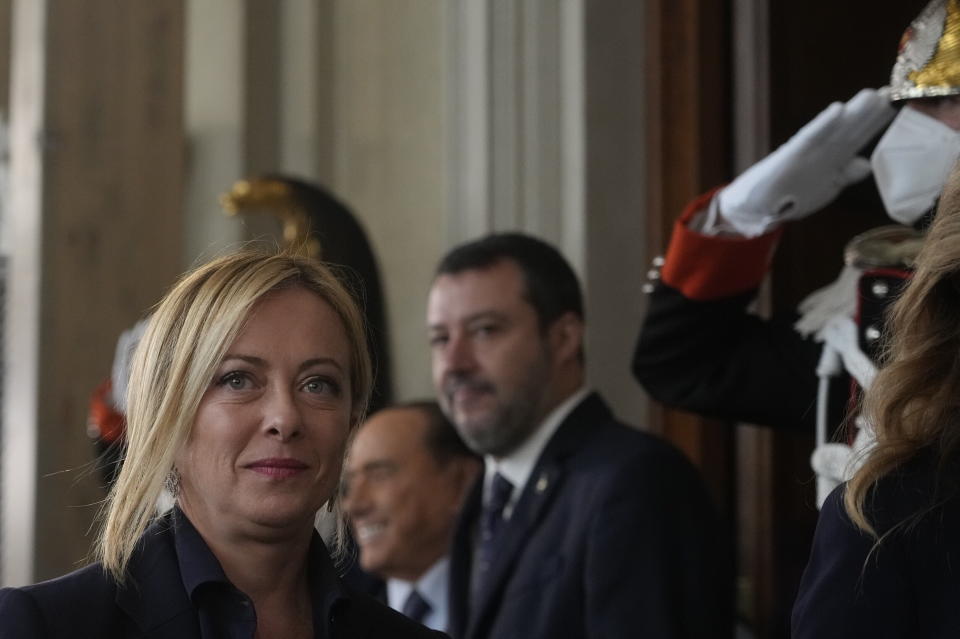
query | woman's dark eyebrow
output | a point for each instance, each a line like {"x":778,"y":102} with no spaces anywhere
{"x":321,"y":360}
{"x":250,"y":359}
{"x":262,"y":363}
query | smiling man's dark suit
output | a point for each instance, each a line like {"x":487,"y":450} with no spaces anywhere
{"x":613,"y":536}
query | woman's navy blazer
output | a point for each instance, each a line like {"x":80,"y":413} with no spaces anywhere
{"x":154,"y":603}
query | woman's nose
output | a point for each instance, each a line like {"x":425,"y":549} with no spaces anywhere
{"x":281,"y":414}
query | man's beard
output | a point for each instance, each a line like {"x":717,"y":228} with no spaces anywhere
{"x":502,"y":428}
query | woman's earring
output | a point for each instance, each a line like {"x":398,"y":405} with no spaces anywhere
{"x":172,"y":483}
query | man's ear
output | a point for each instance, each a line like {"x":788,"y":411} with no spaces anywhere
{"x":566,"y":337}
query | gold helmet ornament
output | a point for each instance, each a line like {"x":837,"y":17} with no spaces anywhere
{"x":275,"y":196}
{"x":928,"y":62}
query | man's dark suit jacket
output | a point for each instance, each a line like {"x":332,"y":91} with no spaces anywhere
{"x":154,"y":603}
{"x":613,"y":536}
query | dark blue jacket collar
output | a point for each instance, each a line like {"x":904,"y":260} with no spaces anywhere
{"x":172,"y":560}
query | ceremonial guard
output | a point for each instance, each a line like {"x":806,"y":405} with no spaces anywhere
{"x":700,"y":347}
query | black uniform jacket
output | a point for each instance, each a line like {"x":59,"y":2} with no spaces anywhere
{"x":716,"y":359}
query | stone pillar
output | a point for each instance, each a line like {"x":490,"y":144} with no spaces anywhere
{"x":97,"y":165}
{"x":390,"y":156}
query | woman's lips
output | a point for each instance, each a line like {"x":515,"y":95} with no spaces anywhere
{"x":280,"y":467}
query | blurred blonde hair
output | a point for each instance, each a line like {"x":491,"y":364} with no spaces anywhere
{"x":184,"y":343}
{"x":914,"y":402}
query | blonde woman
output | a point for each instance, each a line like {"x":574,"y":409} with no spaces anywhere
{"x":244,"y":390}
{"x":886,"y":555}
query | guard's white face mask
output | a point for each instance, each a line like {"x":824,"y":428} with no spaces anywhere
{"x":911,"y":163}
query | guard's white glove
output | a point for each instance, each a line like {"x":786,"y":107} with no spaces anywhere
{"x":809,"y":170}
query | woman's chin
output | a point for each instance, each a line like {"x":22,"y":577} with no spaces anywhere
{"x":282,"y":514}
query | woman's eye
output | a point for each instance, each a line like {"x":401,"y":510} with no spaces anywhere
{"x":320,"y":385}
{"x":235,"y":381}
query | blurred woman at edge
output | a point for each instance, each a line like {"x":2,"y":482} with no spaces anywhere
{"x":886,"y":555}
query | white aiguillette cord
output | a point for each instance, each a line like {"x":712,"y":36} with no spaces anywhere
{"x":841,"y":352}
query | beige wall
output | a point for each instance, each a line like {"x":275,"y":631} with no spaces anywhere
{"x":615,"y":193}
{"x":390,"y":160}
{"x":214,"y":117}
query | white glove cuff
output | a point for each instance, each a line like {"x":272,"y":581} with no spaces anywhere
{"x":711,"y":223}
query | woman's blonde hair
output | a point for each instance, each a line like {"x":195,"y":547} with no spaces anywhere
{"x":184,"y":343}
{"x":914,"y":401}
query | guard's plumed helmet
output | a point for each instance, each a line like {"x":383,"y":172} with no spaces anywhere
{"x":928,"y":63}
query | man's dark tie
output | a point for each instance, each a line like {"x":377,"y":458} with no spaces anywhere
{"x":416,"y":607}
{"x":491,"y":521}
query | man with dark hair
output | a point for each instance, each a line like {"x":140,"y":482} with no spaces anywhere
{"x":405,"y":479}
{"x":581,"y":525}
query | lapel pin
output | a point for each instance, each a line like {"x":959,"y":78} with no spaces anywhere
{"x":542,"y":483}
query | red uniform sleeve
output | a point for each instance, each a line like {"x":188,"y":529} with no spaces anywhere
{"x":705,"y":267}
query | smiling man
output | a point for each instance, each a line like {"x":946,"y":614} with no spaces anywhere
{"x":406,"y":477}
{"x":582,"y":526}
